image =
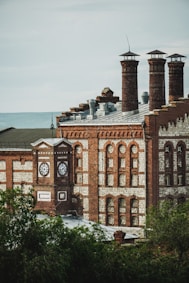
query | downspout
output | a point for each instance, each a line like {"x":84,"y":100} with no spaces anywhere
{"x":145,"y":173}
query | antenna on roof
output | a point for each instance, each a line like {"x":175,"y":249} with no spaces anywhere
{"x":128,"y":42}
{"x":52,"y":125}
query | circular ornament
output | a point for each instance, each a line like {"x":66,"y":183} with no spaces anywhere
{"x":44,"y":169}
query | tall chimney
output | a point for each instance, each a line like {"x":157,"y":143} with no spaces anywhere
{"x":129,"y":82}
{"x":156,"y":80}
{"x":176,"y":80}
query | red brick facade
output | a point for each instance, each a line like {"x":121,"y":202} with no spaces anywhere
{"x":120,"y":157}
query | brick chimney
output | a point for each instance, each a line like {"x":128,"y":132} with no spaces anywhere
{"x":156,"y":80}
{"x":129,"y":82}
{"x":176,"y":80}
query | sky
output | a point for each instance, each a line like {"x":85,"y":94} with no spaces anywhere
{"x":56,"y":54}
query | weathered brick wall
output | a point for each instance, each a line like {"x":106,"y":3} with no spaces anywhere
{"x":16,"y":169}
{"x":93,"y":190}
{"x":168,"y":124}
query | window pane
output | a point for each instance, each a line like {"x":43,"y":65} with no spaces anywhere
{"x":122,"y":179}
{"x":110,"y":180}
{"x":134,"y":180}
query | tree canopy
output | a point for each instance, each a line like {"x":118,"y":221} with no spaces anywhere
{"x":45,"y":251}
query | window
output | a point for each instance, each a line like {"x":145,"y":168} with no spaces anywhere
{"x":110,"y":211}
{"x":134,"y":166}
{"x":109,"y":165}
{"x":122,"y":180}
{"x":110,"y":180}
{"x":134,"y":206}
{"x":110,"y":205}
{"x":78,"y":164}
{"x":121,"y":165}
{"x":121,"y":212}
{"x":180,"y":180}
{"x":167,"y":180}
{"x":134,"y":180}
{"x":168,"y":164}
{"x":109,"y":162}
{"x":181,"y":164}
{"x":134,"y":221}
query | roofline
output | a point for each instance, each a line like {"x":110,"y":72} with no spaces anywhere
{"x":15,"y":149}
{"x":100,"y":124}
{"x":44,"y":140}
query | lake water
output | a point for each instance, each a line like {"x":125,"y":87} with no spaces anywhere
{"x":28,"y":119}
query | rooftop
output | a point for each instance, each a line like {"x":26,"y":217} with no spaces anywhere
{"x":12,"y":138}
{"x":106,"y":114}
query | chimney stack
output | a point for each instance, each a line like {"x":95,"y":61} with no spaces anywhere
{"x":175,"y":77}
{"x":129,"y":82}
{"x":156,"y":80}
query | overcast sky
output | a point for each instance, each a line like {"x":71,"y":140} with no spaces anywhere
{"x":55,"y":54}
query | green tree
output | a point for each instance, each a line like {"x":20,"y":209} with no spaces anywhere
{"x":168,"y":227}
{"x":27,"y":245}
{"x":46,"y":251}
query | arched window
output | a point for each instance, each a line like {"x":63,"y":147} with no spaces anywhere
{"x":121,"y":212}
{"x":109,"y":211}
{"x":134,"y":204}
{"x":181,"y":163}
{"x":134,"y":166}
{"x":168,"y":164}
{"x":109,"y":165}
{"x":121,"y":165}
{"x":78,"y":164}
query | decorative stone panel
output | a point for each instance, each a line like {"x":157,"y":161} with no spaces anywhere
{"x":101,"y":179}
{"x":141,"y":161}
{"x":85,"y":204}
{"x":101,"y":159}
{"x":18,"y":165}
{"x":2,"y":176}
{"x":142,"y":206}
{"x":102,"y":205}
{"x":81,"y":190}
{"x":2,"y":165}
{"x":85,"y":179}
{"x":22,"y":177}
{"x":161,"y":161}
{"x":127,"y":192}
{"x":142,"y":220}
{"x":85,"y":161}
{"x":161,"y":179}
{"x":141,"y":180}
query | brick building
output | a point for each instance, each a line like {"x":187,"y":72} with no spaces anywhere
{"x":111,"y":158}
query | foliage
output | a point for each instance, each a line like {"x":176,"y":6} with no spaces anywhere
{"x":46,"y":251}
{"x":168,"y":227}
